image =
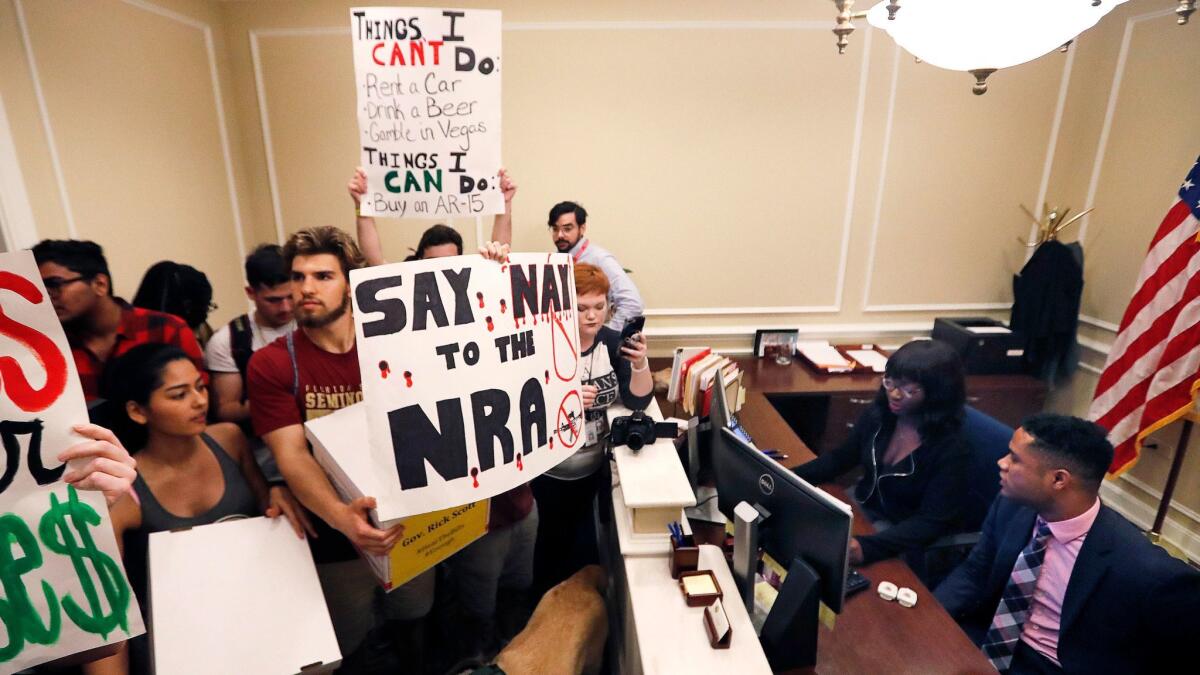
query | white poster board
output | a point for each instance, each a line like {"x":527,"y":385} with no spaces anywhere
{"x":341,"y":445}
{"x":471,"y":375}
{"x":239,"y":596}
{"x":428,"y":85}
{"x":62,"y":584}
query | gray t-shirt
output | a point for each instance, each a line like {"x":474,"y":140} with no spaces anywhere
{"x":604,"y":368}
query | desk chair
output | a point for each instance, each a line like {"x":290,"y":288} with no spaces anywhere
{"x":989,"y":442}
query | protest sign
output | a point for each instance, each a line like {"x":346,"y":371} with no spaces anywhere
{"x":428,"y":84}
{"x":257,"y":568}
{"x":64,"y":589}
{"x":471,"y":375}
{"x":341,"y":446}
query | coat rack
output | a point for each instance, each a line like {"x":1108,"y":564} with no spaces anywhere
{"x":1055,"y":221}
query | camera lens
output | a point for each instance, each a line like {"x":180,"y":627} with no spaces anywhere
{"x":635,"y":440}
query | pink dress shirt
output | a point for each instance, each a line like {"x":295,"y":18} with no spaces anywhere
{"x":1066,"y":538}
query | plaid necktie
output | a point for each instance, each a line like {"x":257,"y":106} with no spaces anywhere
{"x":1001,"y":639}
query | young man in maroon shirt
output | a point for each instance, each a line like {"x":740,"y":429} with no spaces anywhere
{"x":312,"y":376}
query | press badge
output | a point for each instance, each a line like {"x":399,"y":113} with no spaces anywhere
{"x":592,"y":431}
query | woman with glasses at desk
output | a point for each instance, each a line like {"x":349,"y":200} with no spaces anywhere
{"x":914,"y":457}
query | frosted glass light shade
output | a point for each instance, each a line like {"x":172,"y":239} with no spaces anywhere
{"x":983,"y":34}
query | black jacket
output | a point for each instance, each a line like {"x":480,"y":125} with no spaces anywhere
{"x":1046,"y":297}
{"x":923,"y":497}
{"x":1129,"y":607}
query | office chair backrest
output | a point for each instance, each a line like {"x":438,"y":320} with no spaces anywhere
{"x":989,"y":442}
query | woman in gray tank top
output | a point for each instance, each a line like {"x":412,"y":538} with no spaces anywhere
{"x":189,"y":472}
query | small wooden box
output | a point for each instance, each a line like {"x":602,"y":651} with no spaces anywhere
{"x":685,"y":558}
{"x":716,"y":624}
{"x":704,"y":598}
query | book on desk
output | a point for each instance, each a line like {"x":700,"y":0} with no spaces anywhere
{"x":693,"y":376}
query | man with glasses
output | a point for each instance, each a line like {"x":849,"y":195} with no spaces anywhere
{"x":99,"y":325}
{"x":568,"y":229}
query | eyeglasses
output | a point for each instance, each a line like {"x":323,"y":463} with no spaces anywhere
{"x":55,"y":284}
{"x":908,"y":391}
{"x":564,"y":229}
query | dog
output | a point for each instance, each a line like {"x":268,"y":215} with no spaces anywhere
{"x":567,"y":632}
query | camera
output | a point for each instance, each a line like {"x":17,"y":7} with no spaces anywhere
{"x":636,"y":429}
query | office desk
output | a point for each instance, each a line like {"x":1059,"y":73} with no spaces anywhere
{"x":822,"y":409}
{"x":870,"y":635}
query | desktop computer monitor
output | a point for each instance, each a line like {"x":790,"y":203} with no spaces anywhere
{"x":805,"y":522}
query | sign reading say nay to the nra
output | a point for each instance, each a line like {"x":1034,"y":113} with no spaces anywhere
{"x":470,"y":373}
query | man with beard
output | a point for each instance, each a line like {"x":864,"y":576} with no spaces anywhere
{"x":99,"y":325}
{"x":568,"y":227}
{"x":308,"y":373}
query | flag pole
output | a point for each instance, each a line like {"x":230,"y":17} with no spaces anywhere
{"x":1164,"y":504}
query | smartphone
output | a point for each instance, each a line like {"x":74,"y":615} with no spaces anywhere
{"x":632,"y":327}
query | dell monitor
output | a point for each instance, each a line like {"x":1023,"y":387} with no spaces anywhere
{"x":802,"y":527}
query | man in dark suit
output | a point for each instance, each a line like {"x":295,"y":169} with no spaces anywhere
{"x":1060,"y":583}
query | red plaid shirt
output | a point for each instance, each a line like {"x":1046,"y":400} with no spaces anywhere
{"x":138,"y":326}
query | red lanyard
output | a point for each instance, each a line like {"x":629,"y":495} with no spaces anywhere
{"x":582,"y":248}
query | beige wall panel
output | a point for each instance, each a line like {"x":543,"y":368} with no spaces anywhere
{"x":25,"y":121}
{"x":688,"y":157}
{"x":308,"y":81}
{"x":1153,"y":143}
{"x":1095,"y":58}
{"x":958,"y":166}
{"x":132,"y":107}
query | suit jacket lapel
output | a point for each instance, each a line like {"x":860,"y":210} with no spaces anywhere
{"x":1090,"y":567}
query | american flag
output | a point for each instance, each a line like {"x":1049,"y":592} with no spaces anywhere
{"x":1153,"y":369}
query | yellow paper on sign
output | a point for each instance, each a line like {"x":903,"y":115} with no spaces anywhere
{"x":432,"y":537}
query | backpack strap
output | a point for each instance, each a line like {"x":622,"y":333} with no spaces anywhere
{"x":241,"y":345}
{"x":291,"y":347}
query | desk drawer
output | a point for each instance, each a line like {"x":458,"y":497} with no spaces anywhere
{"x":844,"y":411}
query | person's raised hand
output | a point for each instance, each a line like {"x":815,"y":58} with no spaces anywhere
{"x":494,"y":250}
{"x":108,"y":467}
{"x":357,"y":187}
{"x":507,"y":186}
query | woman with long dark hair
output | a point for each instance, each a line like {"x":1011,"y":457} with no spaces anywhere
{"x":911,"y":450}
{"x":189,"y":472}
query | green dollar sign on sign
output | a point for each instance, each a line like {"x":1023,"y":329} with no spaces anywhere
{"x":20,"y":617}
{"x":58,"y":537}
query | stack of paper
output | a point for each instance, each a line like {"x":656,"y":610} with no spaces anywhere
{"x":824,"y":356}
{"x":869,"y":358}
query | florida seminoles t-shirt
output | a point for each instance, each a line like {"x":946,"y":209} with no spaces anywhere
{"x":327,"y":382}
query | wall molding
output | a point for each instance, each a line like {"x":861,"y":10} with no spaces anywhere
{"x":218,"y":101}
{"x":812,"y":330}
{"x":1052,"y":147}
{"x":547,"y":26}
{"x":1099,"y":323}
{"x":1110,"y":111}
{"x":17,"y":225}
{"x":44,"y":115}
{"x":1117,"y":495}
{"x":1043,"y":186}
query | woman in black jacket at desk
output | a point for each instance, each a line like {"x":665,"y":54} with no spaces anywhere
{"x":912,"y":453}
